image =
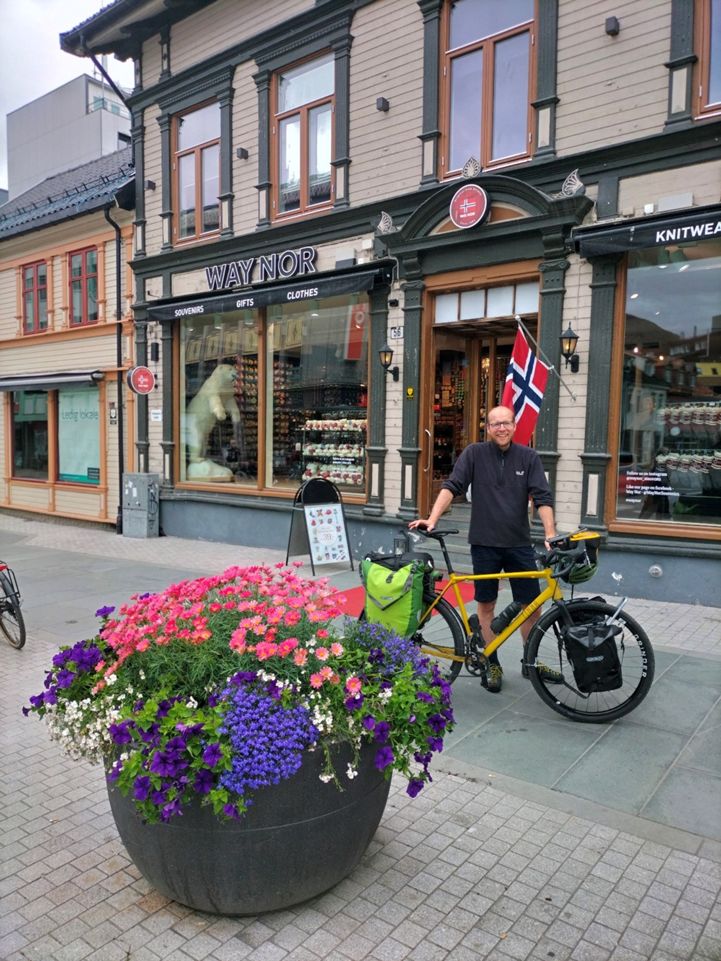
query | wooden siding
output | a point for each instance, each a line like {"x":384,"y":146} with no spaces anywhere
{"x":386,"y":61}
{"x":224,"y":23}
{"x":701,"y":180}
{"x":153,"y":171}
{"x":245,"y":134}
{"x":612,"y":89}
{"x":572,"y":413}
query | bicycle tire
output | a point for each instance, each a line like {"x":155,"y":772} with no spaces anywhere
{"x":635,"y":652}
{"x":441,"y":641}
{"x":12,"y":622}
{"x":442,"y":636}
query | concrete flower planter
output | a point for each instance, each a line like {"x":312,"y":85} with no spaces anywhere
{"x":298,"y":839}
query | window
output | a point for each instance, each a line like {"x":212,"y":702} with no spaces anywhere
{"x":272,"y":397}
{"x":83,"y":287}
{"x":197,"y":172}
{"x":487,"y":82}
{"x":709,"y":70}
{"x":303,"y":135}
{"x":35,"y":298}
{"x":670,"y":433}
{"x":73,"y":416}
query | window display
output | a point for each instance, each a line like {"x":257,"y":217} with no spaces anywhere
{"x":294,"y":375}
{"x":30,"y":434}
{"x":670,"y":438}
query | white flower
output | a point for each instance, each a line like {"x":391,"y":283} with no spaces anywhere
{"x":351,"y":772}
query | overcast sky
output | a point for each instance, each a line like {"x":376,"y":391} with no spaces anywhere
{"x":31,"y":61}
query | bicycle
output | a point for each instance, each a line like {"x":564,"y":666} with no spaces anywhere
{"x":12,"y":623}
{"x":448,"y":633}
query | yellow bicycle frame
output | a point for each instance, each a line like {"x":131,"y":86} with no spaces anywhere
{"x":551,"y":592}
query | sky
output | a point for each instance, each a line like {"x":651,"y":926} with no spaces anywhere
{"x":31,"y":61}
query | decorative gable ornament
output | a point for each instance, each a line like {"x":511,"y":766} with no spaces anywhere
{"x":385,"y":224}
{"x":471,"y":168}
{"x":573,"y":186}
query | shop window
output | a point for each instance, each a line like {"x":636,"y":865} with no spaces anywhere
{"x":35,"y":298}
{"x":76,"y":412}
{"x":669,"y":456}
{"x":83,"y":287}
{"x":78,"y":435}
{"x":487,"y":82}
{"x":196,"y":167}
{"x":303,"y":136}
{"x":30,"y":434}
{"x":289,"y":382}
{"x":708,"y":15}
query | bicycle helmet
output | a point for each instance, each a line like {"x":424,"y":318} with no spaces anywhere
{"x":586,"y":566}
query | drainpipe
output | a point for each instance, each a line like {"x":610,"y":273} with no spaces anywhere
{"x":119,"y":364}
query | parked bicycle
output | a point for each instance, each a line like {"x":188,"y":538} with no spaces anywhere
{"x":586,"y":659}
{"x":12,"y":623}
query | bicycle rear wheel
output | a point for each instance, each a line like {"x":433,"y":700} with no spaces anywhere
{"x":12,"y":623}
{"x":441,"y":636}
{"x":545,"y":646}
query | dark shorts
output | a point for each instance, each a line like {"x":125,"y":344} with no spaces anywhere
{"x":492,"y":560}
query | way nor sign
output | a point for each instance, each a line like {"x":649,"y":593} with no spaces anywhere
{"x":243,"y":273}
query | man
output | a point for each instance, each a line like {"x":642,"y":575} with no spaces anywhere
{"x":502,"y":477}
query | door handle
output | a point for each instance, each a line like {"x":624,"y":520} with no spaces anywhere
{"x":430,"y":438}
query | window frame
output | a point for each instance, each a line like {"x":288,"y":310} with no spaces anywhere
{"x":447,"y":56}
{"x":303,"y":111}
{"x":197,"y":151}
{"x":37,"y":328}
{"x":85,"y":276}
{"x":702,"y":20}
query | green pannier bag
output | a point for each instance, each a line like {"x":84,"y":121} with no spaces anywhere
{"x":394,"y":586}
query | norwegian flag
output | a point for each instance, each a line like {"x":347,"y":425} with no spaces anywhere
{"x":524,"y":389}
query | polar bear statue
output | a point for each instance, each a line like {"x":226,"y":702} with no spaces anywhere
{"x":214,"y":402}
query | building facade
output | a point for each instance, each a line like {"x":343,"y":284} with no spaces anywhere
{"x":66,"y":340}
{"x":319,"y":180}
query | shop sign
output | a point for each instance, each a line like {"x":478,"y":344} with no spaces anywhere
{"x":141,"y":380}
{"x":262,"y":270}
{"x":318,"y":288}
{"x":682,"y":229}
{"x":469,"y":206}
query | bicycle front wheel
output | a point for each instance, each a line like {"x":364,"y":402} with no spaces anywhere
{"x":546,"y":648}
{"x":12,"y":623}
{"x":441,"y":636}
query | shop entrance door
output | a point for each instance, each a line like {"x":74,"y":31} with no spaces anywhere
{"x":469,"y":371}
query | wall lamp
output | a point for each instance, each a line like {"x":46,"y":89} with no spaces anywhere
{"x":383,"y":104}
{"x":569,"y":341}
{"x":385,"y":355}
{"x":241,"y":153}
{"x":149,"y":184}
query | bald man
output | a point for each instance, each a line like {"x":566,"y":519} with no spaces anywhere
{"x":502,"y":477}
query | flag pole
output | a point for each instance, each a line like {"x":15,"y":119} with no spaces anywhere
{"x":543,"y":357}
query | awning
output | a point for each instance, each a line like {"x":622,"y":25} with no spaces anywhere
{"x":681,"y":228}
{"x":310,"y":288}
{"x":50,"y":381}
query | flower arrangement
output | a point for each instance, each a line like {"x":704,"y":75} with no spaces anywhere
{"x":215,"y":687}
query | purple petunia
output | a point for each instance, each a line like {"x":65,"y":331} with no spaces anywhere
{"x":104,"y":612}
{"x":384,"y":757}
{"x":415,"y":786}
{"x":212,"y":754}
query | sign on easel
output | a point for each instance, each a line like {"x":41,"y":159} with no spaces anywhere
{"x":324,"y":532}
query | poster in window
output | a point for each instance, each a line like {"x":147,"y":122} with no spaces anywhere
{"x":79,"y":436}
{"x":326,"y":533}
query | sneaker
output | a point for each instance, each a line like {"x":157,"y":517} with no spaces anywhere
{"x":545,"y":673}
{"x":494,"y":678}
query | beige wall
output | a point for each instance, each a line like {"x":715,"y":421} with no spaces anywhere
{"x":702,"y":182}
{"x":611,"y":89}
{"x":224,"y":23}
{"x":153,"y":171}
{"x":384,"y":148}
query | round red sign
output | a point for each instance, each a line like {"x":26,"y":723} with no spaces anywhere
{"x":141,"y":380}
{"x":469,"y":206}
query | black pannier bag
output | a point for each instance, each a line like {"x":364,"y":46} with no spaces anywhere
{"x":591,"y":649}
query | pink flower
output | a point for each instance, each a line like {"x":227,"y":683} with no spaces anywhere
{"x":322,"y":653}
{"x":322,"y":633}
{"x":300,"y":656}
{"x":336,"y":649}
{"x":353,"y":685}
{"x":316,"y":680}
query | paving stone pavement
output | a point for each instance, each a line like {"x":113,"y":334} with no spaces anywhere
{"x":472,"y":868}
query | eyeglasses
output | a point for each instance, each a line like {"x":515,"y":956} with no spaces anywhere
{"x":501,"y":423}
